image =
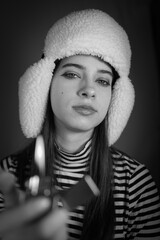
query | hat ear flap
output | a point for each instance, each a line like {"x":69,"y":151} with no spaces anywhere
{"x":33,"y":94}
{"x":121,"y":106}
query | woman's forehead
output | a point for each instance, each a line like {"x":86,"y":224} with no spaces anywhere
{"x":82,"y":59}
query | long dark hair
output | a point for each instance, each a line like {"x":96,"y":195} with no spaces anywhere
{"x":99,"y":213}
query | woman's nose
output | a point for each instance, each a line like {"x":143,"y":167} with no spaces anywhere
{"x":87,"y":92}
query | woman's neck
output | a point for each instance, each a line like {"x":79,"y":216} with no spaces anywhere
{"x":72,"y":142}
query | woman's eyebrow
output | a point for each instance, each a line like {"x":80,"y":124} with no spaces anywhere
{"x":84,"y":68}
{"x":105,"y":72}
{"x":73,"y":65}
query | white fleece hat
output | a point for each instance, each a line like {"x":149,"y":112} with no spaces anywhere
{"x":90,"y":32}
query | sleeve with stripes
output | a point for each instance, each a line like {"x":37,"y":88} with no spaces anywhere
{"x":144,"y":206}
{"x":3,"y":167}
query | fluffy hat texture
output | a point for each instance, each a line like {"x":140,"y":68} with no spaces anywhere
{"x":90,"y":32}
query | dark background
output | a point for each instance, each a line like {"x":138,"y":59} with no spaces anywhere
{"x":24,"y":25}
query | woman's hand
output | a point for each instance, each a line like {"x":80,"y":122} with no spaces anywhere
{"x":18,"y":222}
{"x":51,"y":226}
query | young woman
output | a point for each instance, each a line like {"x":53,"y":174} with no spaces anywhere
{"x":79,"y":98}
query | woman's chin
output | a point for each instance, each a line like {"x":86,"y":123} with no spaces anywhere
{"x":81,"y":127}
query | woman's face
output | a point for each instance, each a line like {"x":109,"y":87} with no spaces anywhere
{"x":81,"y":93}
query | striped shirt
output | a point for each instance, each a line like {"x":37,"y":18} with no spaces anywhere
{"x":136,"y":199}
{"x":69,"y":169}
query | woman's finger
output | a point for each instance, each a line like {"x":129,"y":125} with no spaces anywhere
{"x":16,"y":217}
{"x":54,"y":225}
{"x":51,"y":227}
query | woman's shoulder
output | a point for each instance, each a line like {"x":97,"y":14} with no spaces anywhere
{"x":131,"y":176}
{"x":125,"y":164}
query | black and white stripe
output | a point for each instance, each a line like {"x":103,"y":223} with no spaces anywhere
{"x":137,"y":204}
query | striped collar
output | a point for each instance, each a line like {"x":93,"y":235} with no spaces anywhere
{"x":86,"y":149}
{"x":72,"y":165}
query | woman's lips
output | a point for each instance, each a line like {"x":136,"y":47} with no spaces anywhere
{"x":84,"y":110}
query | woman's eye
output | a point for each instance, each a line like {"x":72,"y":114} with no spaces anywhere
{"x":104,"y":83}
{"x":70,"y":75}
